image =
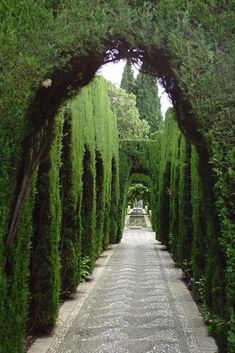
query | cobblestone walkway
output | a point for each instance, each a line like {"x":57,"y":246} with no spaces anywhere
{"x":138,"y":305}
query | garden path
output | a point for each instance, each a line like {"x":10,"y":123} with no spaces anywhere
{"x":139,"y":304}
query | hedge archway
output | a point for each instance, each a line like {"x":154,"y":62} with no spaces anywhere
{"x":189,"y":46}
{"x":166,"y":52}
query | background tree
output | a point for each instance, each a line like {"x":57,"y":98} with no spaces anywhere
{"x":130,"y":126}
{"x":128,"y":80}
{"x":137,"y":192}
{"x":147,"y":100}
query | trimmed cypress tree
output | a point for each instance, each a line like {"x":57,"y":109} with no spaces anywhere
{"x":70,"y":250}
{"x":128,"y":80}
{"x":184,"y":198}
{"x":88,"y":211}
{"x":114,"y":203}
{"x":147,"y":100}
{"x":45,"y":260}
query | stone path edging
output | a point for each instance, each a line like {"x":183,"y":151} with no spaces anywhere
{"x":136,"y":304}
{"x":70,"y":308}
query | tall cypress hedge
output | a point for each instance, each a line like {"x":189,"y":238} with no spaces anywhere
{"x":147,"y":100}
{"x":185,"y":207}
{"x":14,"y":289}
{"x":188,"y":224}
{"x":70,"y":239}
{"x":113,"y":212}
{"x":100,"y":202}
{"x":76,"y":180}
{"x":45,"y":259}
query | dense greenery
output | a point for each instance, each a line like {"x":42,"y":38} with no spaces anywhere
{"x":123,"y":104}
{"x":137,"y":192}
{"x":73,"y":193}
{"x":147,"y":101}
{"x":145,"y":89}
{"x":49,"y":49}
{"x":188,"y":225}
{"x":128,"y":80}
{"x":45,"y":261}
{"x":137,"y":165}
{"x":184,"y":216}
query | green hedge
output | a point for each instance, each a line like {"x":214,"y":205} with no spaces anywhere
{"x":93,"y":150}
{"x":137,"y":158}
{"x":113,"y":211}
{"x":74,"y":187}
{"x":45,"y":260}
{"x":70,"y":239}
{"x":14,"y":290}
{"x":188,"y":225}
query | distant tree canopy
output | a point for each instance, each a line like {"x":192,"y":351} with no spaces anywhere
{"x":123,"y":104}
{"x":146,"y":91}
{"x":147,"y":100}
{"x":128,"y":80}
{"x":137,"y":192}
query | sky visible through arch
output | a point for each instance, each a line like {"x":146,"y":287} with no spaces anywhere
{"x":113,"y":72}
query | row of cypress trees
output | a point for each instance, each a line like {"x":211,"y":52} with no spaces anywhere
{"x":184,"y":217}
{"x":180,"y":215}
{"x":187,"y":223}
{"x":69,"y":214}
{"x":75,"y":189}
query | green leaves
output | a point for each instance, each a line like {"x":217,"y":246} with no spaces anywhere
{"x":147,"y":101}
{"x":128,"y":80}
{"x":85,"y":268}
{"x":130,"y":126}
{"x":137,"y":192}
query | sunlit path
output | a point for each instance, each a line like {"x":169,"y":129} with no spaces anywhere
{"x":138,"y":305}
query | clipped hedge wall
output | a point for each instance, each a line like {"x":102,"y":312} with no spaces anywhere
{"x":45,"y":259}
{"x":188,"y":224}
{"x":63,"y":219}
{"x":70,"y":250}
{"x":14,"y":291}
{"x":91,"y":186}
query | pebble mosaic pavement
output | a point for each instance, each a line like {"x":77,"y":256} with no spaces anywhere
{"x":138,"y":305}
